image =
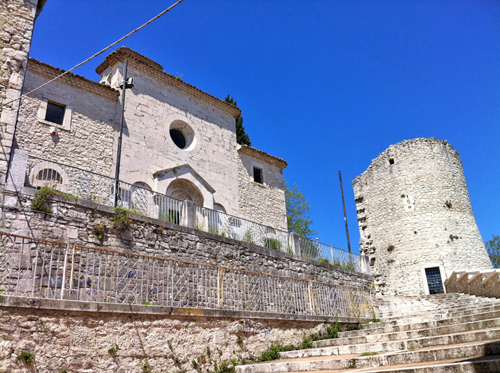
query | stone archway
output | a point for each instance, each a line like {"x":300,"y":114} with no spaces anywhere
{"x":185,"y":190}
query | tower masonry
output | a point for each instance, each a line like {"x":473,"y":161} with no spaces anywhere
{"x":415,"y":218}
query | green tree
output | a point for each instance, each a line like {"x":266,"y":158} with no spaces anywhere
{"x":493,"y":247}
{"x":297,"y":212}
{"x":241,"y":137}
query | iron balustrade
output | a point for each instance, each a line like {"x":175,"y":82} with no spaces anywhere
{"x":42,"y":269}
{"x":98,"y":188}
{"x":222,"y":224}
{"x":316,"y":250}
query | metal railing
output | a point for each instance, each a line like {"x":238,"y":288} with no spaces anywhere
{"x":316,"y":250}
{"x":37,"y":268}
{"x":222,"y":224}
{"x":100,"y":189}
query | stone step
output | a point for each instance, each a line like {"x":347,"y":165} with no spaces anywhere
{"x":414,"y":333}
{"x":440,"y":315}
{"x":487,"y":364}
{"x":443,"y":310}
{"x":380,"y":328}
{"x":404,"y":344}
{"x":394,"y":358}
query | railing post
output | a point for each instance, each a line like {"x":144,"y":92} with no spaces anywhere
{"x":294,"y":240}
{"x":64,"y":271}
{"x":189,"y":214}
{"x":311,"y":298}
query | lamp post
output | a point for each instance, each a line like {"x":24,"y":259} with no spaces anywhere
{"x":126,"y":83}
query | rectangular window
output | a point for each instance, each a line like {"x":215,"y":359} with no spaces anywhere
{"x":257,"y":175}
{"x":55,"y":113}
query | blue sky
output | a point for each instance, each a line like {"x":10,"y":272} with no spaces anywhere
{"x":326,"y":85}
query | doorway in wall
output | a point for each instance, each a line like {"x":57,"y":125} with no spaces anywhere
{"x":434,"y":282}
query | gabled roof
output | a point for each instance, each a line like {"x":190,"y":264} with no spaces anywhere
{"x":185,"y":168}
{"x":77,"y":81}
{"x":263,"y":156}
{"x":154,"y":69}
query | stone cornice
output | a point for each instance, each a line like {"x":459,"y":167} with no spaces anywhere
{"x":77,"y":81}
{"x":155,"y":70}
{"x":263,"y":156}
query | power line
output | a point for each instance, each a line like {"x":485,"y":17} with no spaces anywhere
{"x":98,"y":53}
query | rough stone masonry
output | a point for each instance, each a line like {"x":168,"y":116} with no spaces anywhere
{"x":415,"y":217}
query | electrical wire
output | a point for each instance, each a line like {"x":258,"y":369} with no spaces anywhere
{"x":98,"y":53}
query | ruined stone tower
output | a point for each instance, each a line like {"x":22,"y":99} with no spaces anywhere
{"x":415,"y":218}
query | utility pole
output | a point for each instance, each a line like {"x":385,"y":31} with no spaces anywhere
{"x":345,"y":215}
{"x":126,"y":83}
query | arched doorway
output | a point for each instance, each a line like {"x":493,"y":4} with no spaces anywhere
{"x":185,"y":190}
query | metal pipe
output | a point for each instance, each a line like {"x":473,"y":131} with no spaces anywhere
{"x":119,"y":148}
{"x":345,"y":215}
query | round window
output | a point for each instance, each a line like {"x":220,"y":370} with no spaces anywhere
{"x":182,"y":135}
{"x":178,"y":138}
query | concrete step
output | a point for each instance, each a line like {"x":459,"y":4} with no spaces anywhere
{"x":404,"y":344}
{"x":442,"y":311}
{"x":394,"y":358}
{"x":440,"y":315}
{"x":414,"y":333}
{"x":383,"y":327}
{"x":488,"y":364}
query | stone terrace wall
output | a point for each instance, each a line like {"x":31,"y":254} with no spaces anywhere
{"x":73,"y":222}
{"x":414,"y":213}
{"x":79,"y":341}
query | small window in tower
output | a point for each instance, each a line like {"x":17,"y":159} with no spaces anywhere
{"x":391,"y":160}
{"x":257,"y":175}
{"x":55,"y":113}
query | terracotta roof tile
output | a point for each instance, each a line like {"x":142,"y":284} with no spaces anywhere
{"x":265,"y":157}
{"x":50,"y":72}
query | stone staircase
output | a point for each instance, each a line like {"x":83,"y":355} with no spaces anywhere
{"x":438,"y":333}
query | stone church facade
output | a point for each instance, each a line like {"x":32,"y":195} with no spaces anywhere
{"x":415,"y":218}
{"x":177,"y":140}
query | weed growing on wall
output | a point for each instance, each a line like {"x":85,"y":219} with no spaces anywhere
{"x":26,"y":357}
{"x":99,"y":230}
{"x":43,"y":196}
{"x":121,"y":219}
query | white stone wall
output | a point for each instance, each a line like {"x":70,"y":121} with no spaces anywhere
{"x":16,"y":28}
{"x":151,"y":108}
{"x":262,"y":203}
{"x":80,"y":341}
{"x":87,"y":138}
{"x":416,"y":214}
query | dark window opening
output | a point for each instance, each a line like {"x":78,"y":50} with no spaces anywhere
{"x":48,"y":174}
{"x":257,"y":175}
{"x":391,"y":160}
{"x":178,"y":138}
{"x":434,"y":280}
{"x":55,"y":113}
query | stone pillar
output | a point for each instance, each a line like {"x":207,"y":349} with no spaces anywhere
{"x":294,"y":239}
{"x":17,"y":19}
{"x":189,"y":214}
{"x":16,"y":177}
{"x":364,"y":265}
